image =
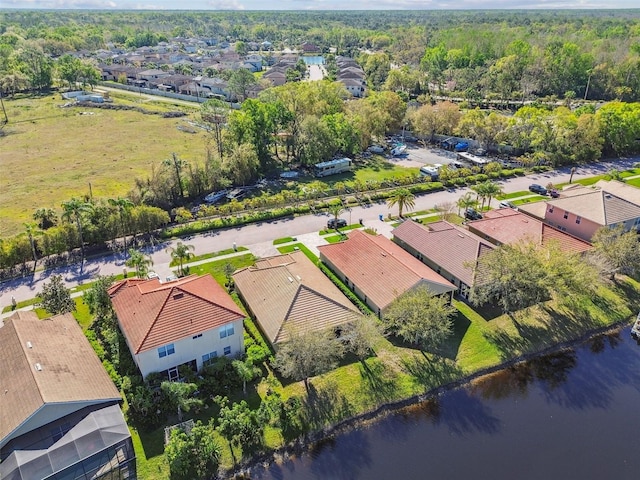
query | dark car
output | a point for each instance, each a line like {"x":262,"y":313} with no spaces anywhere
{"x":471,"y":214}
{"x":336,"y":223}
{"x":539,"y":189}
{"x":554,"y":193}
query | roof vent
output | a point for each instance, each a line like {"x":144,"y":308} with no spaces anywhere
{"x":298,"y":277}
{"x":290,"y":279}
{"x":607,"y":196}
{"x":38,"y":367}
{"x":29,"y":345}
{"x":178,"y":295}
{"x":461,"y":235}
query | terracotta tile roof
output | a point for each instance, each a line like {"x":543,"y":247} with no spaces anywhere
{"x":46,"y":362}
{"x":288,"y":292}
{"x":381,"y":269}
{"x":152,"y":314}
{"x":507,"y":226}
{"x":449,"y":246}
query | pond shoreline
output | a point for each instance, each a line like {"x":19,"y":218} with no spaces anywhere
{"x":306,"y":442}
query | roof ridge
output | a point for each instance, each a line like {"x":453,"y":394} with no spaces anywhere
{"x":155,"y":319}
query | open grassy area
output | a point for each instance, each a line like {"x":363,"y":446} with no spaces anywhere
{"x":206,"y":256}
{"x":50,"y":154}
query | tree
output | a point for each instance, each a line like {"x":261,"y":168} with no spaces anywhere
{"x":177,"y":164}
{"x":621,"y":249}
{"x":362,"y":335}
{"x":32,"y":231}
{"x":511,"y":276}
{"x":403,"y":198}
{"x":420,"y":318}
{"x":74,"y":210}
{"x":195,"y":455}
{"x":466,"y":201}
{"x":336,"y":210}
{"x":181,"y":253}
{"x":45,"y":217}
{"x":240,"y":81}
{"x":123,"y":206}
{"x":307,"y":354}
{"x":241,"y":164}
{"x":491,"y":190}
{"x":98,"y":300}
{"x":240,"y":425}
{"x":246,"y":371}
{"x":55,"y":298}
{"x":180,"y":395}
{"x":139,"y":261}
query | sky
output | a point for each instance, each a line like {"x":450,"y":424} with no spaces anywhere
{"x":315,"y":4}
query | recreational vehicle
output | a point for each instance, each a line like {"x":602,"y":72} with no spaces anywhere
{"x":332,"y":167}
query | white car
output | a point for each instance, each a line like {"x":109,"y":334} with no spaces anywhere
{"x":376,"y":149}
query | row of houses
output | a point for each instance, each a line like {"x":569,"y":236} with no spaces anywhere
{"x":351,"y":75}
{"x":59,"y":410}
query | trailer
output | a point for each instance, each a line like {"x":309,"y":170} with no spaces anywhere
{"x":332,"y":167}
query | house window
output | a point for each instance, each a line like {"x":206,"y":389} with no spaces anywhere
{"x":578,"y":220}
{"x":208,"y":357}
{"x":197,"y":336}
{"x":227,"y":350}
{"x":226,"y":330}
{"x":166,"y":350}
{"x":566,"y":215}
{"x":550,"y":208}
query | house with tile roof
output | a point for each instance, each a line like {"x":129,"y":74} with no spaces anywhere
{"x":288,"y":293}
{"x":585,"y":210}
{"x":379,"y":271}
{"x":449,"y":249}
{"x":506,"y":226}
{"x":187,"y":321}
{"x":60,"y":412}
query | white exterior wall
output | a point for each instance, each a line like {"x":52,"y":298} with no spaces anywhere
{"x":188,"y":349}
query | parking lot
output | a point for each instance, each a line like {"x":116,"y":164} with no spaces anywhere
{"x":416,"y":155}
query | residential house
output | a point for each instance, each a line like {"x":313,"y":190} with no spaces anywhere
{"x":152,"y":77}
{"x":354,"y":86}
{"x":289,"y":293}
{"x":307,"y":47}
{"x":254,"y":61}
{"x":182,"y":322}
{"x":449,"y":249}
{"x":379,"y":271}
{"x":60,"y":412}
{"x":581,"y":211}
{"x":351,"y":75}
{"x":275,"y":76}
{"x":506,"y":226}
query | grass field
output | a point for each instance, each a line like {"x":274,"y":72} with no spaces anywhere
{"x":50,"y":154}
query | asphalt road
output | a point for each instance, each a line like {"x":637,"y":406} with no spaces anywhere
{"x":27,"y":287}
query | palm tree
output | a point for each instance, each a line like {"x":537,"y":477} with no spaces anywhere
{"x":403,"y":198}
{"x":466,"y":201}
{"x":491,"y":190}
{"x":124,"y":206}
{"x":336,"y":211}
{"x":181,"y":253}
{"x":139,"y":261}
{"x":31,"y":229}
{"x":481,"y":195}
{"x":73,"y":211}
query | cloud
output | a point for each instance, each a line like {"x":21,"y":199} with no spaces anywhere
{"x":225,"y":5}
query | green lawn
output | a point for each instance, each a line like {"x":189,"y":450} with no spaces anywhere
{"x":206,"y":256}
{"x":280,"y":241}
{"x":216,"y":268}
{"x":299,"y":246}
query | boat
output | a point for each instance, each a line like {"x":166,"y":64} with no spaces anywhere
{"x":635,"y":329}
{"x":398,"y":150}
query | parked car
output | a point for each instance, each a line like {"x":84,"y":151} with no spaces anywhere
{"x":376,"y":149}
{"x":554,"y":193}
{"x":507,"y":204}
{"x":336,"y":223}
{"x":539,"y":189}
{"x":472,"y":214}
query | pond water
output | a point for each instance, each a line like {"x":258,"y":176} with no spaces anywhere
{"x":313,"y":60}
{"x":571,"y":415}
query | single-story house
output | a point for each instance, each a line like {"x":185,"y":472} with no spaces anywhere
{"x":379,"y":271}
{"x":60,"y":412}
{"x":449,"y":249}
{"x":581,"y":211}
{"x":506,"y":226}
{"x":288,"y":293}
{"x":188,"y":321}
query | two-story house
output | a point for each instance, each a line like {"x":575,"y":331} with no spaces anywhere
{"x":188,"y":321}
